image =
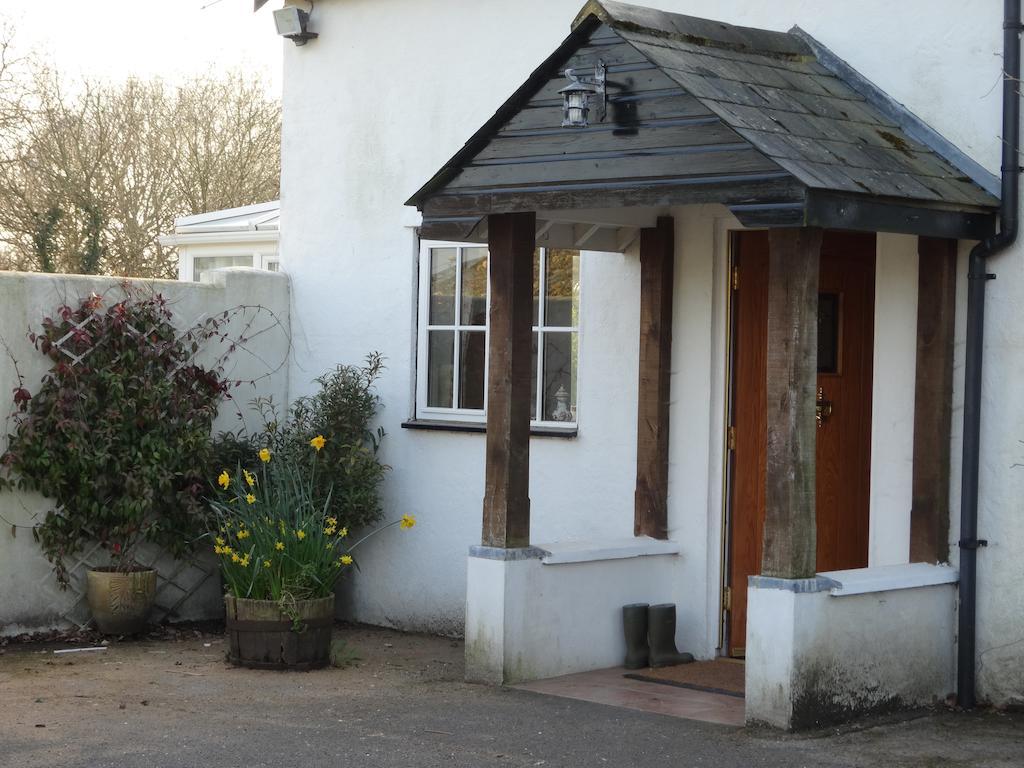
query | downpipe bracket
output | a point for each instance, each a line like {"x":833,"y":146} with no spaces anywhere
{"x":972,"y":543}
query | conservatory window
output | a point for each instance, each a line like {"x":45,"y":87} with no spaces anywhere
{"x":201,"y":264}
{"x":452,"y":370}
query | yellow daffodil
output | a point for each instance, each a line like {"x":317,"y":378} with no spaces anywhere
{"x":264,"y":455}
{"x":318,"y":442}
{"x":219,"y":541}
{"x":329,"y":530}
{"x":250,"y":498}
{"x":224,"y":479}
{"x":332,"y":521}
{"x":243,"y":534}
{"x":250,"y":479}
{"x":244,"y":562}
{"x":279,"y":546}
{"x":345,"y":559}
{"x":407,"y":521}
{"x":219,"y":550}
{"x":343,"y":532}
{"x":235,"y":558}
{"x":266,"y":563}
{"x":300,"y":535}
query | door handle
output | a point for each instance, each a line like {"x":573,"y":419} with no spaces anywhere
{"x":822,"y":408}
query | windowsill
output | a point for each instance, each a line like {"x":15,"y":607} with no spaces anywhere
{"x":441,"y":425}
{"x":562,"y":552}
{"x":862,"y":581}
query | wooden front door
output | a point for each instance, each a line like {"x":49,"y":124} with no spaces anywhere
{"x":846,"y":302}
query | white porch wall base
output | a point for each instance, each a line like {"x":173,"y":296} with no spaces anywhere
{"x":527,"y":620}
{"x":814,"y":658}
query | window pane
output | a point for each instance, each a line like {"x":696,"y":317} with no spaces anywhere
{"x":536,"y":286}
{"x":563,"y":288}
{"x":472,"y":368}
{"x":828,"y":333}
{"x":442,"y":286}
{"x":440,"y":368}
{"x":203,"y":264}
{"x":533,"y":379}
{"x":474,"y":286}
{"x":559,"y":376}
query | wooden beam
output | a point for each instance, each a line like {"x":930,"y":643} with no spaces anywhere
{"x":728,"y":189}
{"x":866,"y":213}
{"x":588,"y":233}
{"x":506,"y":515}
{"x":789,"y":527}
{"x":933,"y":399}
{"x":657,"y":257}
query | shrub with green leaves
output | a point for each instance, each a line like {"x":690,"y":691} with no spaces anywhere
{"x":349,"y":473}
{"x":118,"y":434}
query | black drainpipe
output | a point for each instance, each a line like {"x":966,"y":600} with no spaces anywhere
{"x":977,"y":276}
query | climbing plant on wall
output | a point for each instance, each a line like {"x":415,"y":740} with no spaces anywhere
{"x":118,"y":433}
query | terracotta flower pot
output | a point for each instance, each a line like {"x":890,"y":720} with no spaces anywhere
{"x":120,"y":602}
{"x":262,"y":636}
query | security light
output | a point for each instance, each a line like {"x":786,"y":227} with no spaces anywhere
{"x":577,"y":96}
{"x":292,"y":23}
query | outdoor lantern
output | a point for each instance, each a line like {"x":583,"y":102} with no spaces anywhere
{"x":580,"y":94}
{"x":293,"y":23}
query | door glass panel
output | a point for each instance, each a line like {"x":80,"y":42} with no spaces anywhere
{"x":828,"y":333}
{"x":442,"y":286}
{"x":472,"y":360}
{"x":440,"y":368}
{"x":474,"y":286}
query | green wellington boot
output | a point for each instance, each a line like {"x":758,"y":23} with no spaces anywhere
{"x":634,"y":624}
{"x":661,"y":630}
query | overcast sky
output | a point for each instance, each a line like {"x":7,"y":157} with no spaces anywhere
{"x":170,"y":38}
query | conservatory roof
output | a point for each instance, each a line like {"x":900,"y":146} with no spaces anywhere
{"x":261,"y":217}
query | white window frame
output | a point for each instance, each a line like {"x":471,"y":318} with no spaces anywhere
{"x":423,"y":327}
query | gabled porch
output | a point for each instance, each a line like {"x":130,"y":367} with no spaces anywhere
{"x":703,"y":127}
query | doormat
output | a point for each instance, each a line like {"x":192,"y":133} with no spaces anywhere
{"x":725,"y":676}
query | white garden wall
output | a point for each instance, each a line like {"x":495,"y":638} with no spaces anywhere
{"x":29,"y":597}
{"x":359,"y":140}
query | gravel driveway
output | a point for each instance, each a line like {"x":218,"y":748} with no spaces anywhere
{"x":175,"y":703}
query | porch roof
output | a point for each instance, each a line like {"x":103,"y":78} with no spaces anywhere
{"x":771,"y":124}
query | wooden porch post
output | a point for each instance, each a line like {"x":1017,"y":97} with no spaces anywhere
{"x":506,"y":515}
{"x":657,"y":256}
{"x":790,"y":534}
{"x":933,"y":399}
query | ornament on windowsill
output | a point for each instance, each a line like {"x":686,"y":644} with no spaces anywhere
{"x":562,"y":411}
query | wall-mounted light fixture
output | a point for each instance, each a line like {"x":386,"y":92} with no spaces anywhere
{"x":293,"y":23}
{"x":581,"y":95}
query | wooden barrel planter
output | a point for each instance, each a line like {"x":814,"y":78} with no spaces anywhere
{"x":260,"y":636}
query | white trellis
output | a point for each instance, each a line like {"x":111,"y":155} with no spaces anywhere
{"x":178,"y":581}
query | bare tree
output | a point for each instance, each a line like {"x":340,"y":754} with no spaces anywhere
{"x":92,"y":174}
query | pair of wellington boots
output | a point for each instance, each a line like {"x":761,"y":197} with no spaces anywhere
{"x":651,"y":636}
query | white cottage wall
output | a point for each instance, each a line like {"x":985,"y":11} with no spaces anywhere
{"x":390,"y":91}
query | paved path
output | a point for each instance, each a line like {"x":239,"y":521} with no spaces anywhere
{"x":178,"y":705}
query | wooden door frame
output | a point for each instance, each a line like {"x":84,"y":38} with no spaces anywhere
{"x":728,"y":454}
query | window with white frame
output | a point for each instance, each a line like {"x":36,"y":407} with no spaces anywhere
{"x":452,"y":351}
